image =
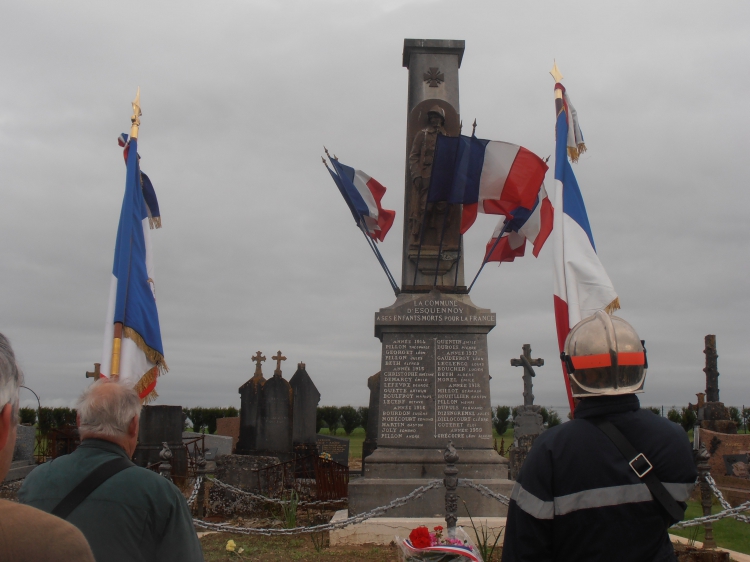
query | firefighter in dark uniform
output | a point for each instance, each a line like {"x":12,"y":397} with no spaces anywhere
{"x":420,"y":167}
{"x":577,"y":497}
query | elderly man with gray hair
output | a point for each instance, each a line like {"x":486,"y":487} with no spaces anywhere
{"x":126,"y":512}
{"x":27,"y":534}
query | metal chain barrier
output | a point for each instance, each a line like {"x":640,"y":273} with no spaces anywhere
{"x":317,"y":503}
{"x":484,"y":490}
{"x":732,"y":512}
{"x":398,"y":502}
{"x":196,"y":488}
{"x":724,"y":503}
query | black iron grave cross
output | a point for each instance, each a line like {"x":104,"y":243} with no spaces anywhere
{"x":528,"y":365}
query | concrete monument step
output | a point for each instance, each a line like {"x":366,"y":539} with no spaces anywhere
{"x":19,"y":470}
{"x":383,"y":530}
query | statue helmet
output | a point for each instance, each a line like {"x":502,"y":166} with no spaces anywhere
{"x":604,"y":356}
{"x":438,"y":110}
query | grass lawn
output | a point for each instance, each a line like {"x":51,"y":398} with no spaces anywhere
{"x":728,"y":533}
{"x":355,"y":440}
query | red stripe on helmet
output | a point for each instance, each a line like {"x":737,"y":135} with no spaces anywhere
{"x":636,"y":358}
{"x":592,"y":361}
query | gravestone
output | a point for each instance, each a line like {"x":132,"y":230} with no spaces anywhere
{"x":711,"y":412}
{"x":371,"y":431}
{"x":25,"y":441}
{"x":337,"y":447}
{"x":219,"y":444}
{"x":306,"y":399}
{"x":249,"y":409}
{"x":276,"y":414}
{"x":434,"y":381}
{"x":229,"y":427}
{"x":528,"y":423}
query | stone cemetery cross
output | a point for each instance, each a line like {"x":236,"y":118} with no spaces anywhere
{"x":528,"y":365}
{"x":278,"y":358}
{"x":258,"y":358}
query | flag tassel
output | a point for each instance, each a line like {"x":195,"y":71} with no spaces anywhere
{"x":613,"y":306}
{"x":151,"y":354}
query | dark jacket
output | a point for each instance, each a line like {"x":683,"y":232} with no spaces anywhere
{"x":577,"y":499}
{"x":136,"y":515}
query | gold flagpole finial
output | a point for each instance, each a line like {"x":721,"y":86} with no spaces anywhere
{"x":136,"y":118}
{"x":555,"y":72}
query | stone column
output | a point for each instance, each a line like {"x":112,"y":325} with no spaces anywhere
{"x":433,"y":80}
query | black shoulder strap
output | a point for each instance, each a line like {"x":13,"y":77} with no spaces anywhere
{"x":642,"y":468}
{"x":96,"y":478}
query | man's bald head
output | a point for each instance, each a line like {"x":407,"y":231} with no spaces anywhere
{"x":106,"y":410}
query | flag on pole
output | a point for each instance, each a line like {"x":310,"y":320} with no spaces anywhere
{"x":152,"y":205}
{"x":363,"y":195}
{"x":582,"y":286}
{"x":484,"y":176}
{"x":132,"y":301}
{"x":534,"y":225}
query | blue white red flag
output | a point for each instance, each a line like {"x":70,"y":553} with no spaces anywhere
{"x":363,"y":195}
{"x":152,"y":205}
{"x":132,"y":300}
{"x":582,"y":286}
{"x":484,"y":176}
{"x":533,"y":225}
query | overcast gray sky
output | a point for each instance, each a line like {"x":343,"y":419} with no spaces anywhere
{"x":258,"y":251}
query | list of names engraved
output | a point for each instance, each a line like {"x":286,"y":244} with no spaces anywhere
{"x":434,"y":387}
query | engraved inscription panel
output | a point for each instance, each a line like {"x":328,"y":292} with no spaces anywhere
{"x":435,"y":388}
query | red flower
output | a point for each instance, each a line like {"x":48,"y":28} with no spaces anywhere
{"x":420,"y":537}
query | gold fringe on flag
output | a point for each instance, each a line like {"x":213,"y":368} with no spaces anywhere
{"x":575,"y":152}
{"x":614,"y":305}
{"x":154,"y":222}
{"x":147,"y":380}
{"x":151,"y":354}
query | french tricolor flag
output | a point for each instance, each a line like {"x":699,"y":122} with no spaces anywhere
{"x":534,"y":225}
{"x":582,"y":286}
{"x":363,"y":195}
{"x":133,"y":352}
{"x":484,"y":176}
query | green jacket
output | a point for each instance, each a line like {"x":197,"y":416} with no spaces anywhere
{"x":136,"y":515}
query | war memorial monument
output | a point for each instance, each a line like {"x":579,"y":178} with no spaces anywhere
{"x":434,"y":385}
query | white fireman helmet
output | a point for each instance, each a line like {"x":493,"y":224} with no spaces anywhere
{"x":604,"y":356}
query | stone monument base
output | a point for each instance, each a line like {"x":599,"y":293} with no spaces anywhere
{"x":391,"y":473}
{"x":368,"y":493}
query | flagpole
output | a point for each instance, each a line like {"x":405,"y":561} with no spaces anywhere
{"x":421,"y":241}
{"x":440,"y":246}
{"x":380,"y":259}
{"x":458,"y":260}
{"x":135,"y":121}
{"x":486,"y":258}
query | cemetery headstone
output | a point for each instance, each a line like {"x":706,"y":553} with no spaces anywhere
{"x":306,"y":399}
{"x":528,"y":423}
{"x":229,"y":427}
{"x":250,"y":409}
{"x":276,"y":415}
{"x":434,"y":382}
{"x":159,"y":425}
{"x":711,"y":413}
{"x":337,"y":447}
{"x":25,"y":441}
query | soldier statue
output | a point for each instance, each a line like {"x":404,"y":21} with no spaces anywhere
{"x":420,"y":166}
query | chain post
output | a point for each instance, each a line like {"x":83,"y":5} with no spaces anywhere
{"x":704,"y":469}
{"x":165,"y":468}
{"x":451,"y":483}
